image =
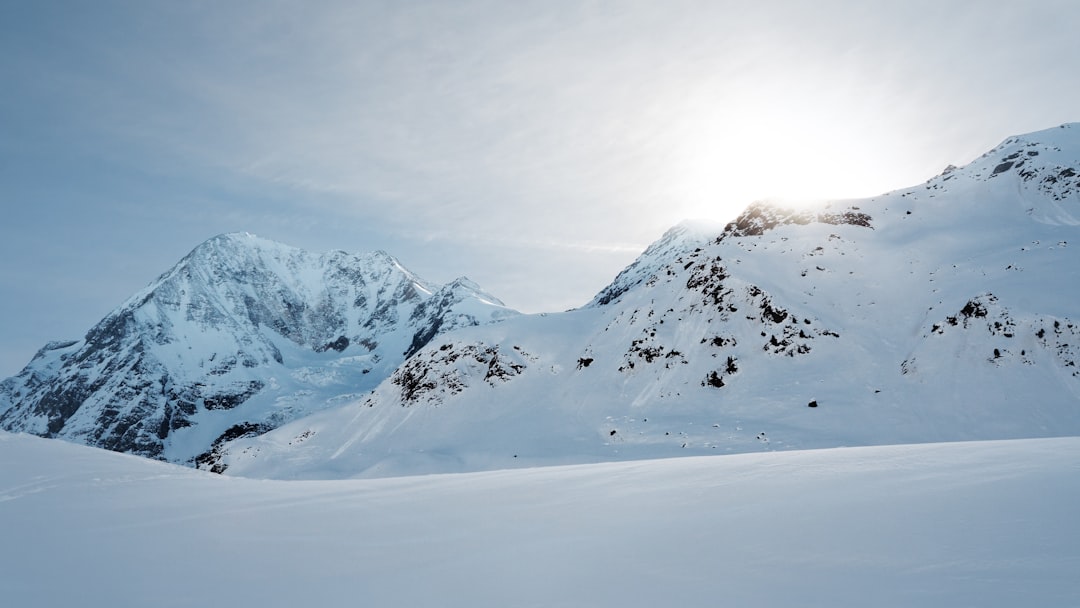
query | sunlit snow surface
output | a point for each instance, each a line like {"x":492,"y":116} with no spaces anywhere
{"x":959,"y":524}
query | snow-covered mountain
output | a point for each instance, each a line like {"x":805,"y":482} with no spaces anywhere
{"x":240,"y":336}
{"x":947,"y":311}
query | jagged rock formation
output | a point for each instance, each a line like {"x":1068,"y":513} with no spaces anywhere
{"x":240,"y":336}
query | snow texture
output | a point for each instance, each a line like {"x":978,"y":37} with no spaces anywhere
{"x":971,"y":524}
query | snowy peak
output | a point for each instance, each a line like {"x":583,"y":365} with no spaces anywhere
{"x":679,"y":239}
{"x":1041,"y":172}
{"x":313,"y":300}
{"x":466,"y":288}
{"x":689,"y":237}
{"x":1021,"y":156}
{"x":239,"y":336}
{"x":460,"y":303}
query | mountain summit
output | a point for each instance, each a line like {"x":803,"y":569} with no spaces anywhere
{"x":241,"y":335}
{"x":947,"y":311}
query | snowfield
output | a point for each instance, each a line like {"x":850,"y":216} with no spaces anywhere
{"x":990,"y":523}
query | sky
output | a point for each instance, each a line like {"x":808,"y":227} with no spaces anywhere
{"x":535,"y":147}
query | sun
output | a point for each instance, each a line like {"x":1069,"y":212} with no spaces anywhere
{"x":796,"y":155}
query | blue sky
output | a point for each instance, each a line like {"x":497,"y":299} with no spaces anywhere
{"x":535,"y":147}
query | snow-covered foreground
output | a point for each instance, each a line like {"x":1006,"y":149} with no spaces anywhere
{"x":961,"y":524}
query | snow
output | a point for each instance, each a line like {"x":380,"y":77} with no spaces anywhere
{"x":716,"y":340}
{"x":953,"y":524}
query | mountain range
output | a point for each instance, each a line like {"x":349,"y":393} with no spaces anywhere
{"x":946,"y":311}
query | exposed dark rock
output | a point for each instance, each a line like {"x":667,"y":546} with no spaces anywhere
{"x":714,"y":379}
{"x":973,"y":309}
{"x":1003,"y":167}
{"x":759,"y":218}
{"x":340,"y":344}
{"x":731,"y":367}
{"x":211,"y":459}
{"x":227,"y":401}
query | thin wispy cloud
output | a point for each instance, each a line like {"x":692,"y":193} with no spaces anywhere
{"x":583,"y":127}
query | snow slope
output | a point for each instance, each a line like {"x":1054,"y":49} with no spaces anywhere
{"x":241,"y":335}
{"x":966,"y":524}
{"x":949,"y":311}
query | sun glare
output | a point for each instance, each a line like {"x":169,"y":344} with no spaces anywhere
{"x":796,"y":156}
